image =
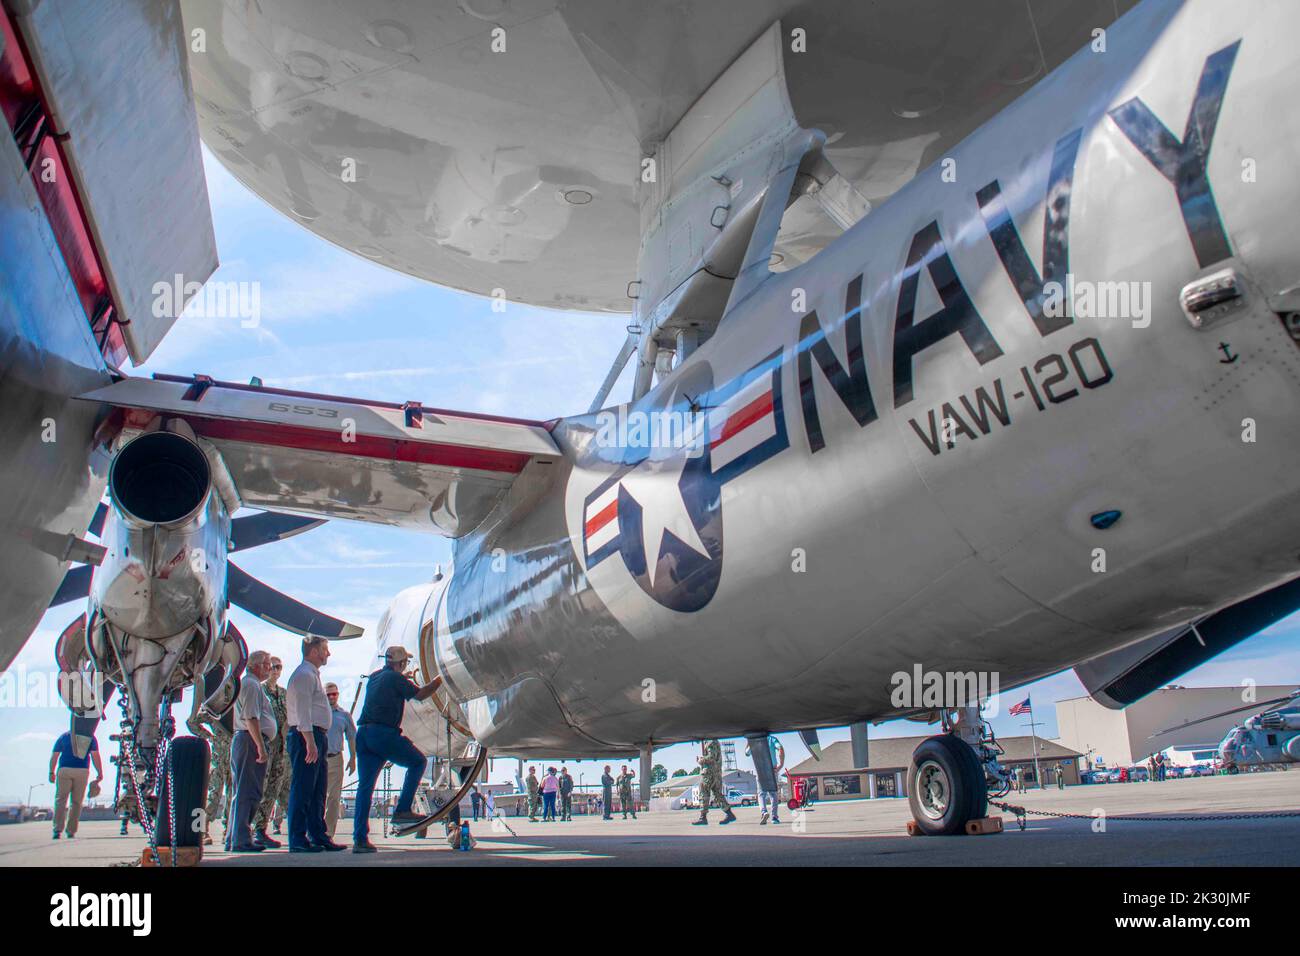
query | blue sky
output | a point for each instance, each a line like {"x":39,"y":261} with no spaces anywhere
{"x":334,"y":322}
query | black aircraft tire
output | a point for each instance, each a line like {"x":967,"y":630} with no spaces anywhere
{"x":961,"y":792}
{"x":188,"y":757}
{"x":979,"y":805}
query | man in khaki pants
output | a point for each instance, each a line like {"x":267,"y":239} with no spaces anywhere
{"x":70,"y":774}
{"x":342,"y":729}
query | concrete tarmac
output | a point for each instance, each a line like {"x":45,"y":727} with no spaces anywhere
{"x":850,"y":833}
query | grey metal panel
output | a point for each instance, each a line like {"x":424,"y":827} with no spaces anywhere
{"x":118,"y":83}
{"x":48,"y":488}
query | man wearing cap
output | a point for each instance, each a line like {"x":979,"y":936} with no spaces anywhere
{"x":379,"y":739}
{"x":309,"y":721}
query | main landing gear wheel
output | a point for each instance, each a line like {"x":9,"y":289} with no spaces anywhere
{"x":945,"y":786}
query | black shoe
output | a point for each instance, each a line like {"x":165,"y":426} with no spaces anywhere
{"x":261,"y":839}
{"x":330,"y":846}
{"x":56,"y":835}
{"x":701,"y":822}
{"x":366,"y":847}
{"x":247,"y":848}
{"x":71,"y":836}
{"x":406,"y":816}
{"x":727,"y":819}
{"x":309,"y":848}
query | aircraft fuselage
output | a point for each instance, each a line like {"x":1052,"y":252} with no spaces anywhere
{"x":979,"y":432}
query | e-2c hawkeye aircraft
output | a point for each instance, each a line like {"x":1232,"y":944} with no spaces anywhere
{"x":966,"y":336}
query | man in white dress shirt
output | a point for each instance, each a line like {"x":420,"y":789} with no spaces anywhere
{"x":309,"y":721}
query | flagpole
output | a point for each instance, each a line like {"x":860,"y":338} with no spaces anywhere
{"x":1033,"y":729}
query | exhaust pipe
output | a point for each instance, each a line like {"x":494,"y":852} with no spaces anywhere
{"x":160,"y":478}
{"x":166,"y":538}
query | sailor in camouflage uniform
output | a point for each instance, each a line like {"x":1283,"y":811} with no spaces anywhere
{"x":534,"y":797}
{"x":711,"y":784}
{"x":625,"y":793}
{"x":218,"y":736}
{"x":276,"y":788}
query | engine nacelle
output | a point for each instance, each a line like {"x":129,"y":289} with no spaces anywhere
{"x":164,"y":572}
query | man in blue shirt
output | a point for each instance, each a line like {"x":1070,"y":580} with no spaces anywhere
{"x":379,"y":739}
{"x":342,"y":729}
{"x":70,"y":774}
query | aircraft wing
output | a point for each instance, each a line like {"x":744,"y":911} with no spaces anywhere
{"x":404,"y":465}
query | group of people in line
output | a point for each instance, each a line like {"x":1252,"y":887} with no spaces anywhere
{"x":282,"y":748}
{"x":277,"y":756}
{"x":553,"y":795}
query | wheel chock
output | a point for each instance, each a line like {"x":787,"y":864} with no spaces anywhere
{"x":984,"y":825}
{"x":973,"y":827}
{"x":185,"y":856}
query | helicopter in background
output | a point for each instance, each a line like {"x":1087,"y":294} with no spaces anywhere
{"x":1270,"y":737}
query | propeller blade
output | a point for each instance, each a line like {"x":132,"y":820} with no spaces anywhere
{"x":97,"y":522}
{"x":283,"y":611}
{"x":250,"y":531}
{"x":75,"y":585}
{"x":1256,"y":706}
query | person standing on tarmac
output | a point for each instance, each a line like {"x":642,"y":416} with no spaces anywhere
{"x":625,"y":793}
{"x":218,"y":732}
{"x":607,"y":794}
{"x":534,"y":788}
{"x":379,"y":740}
{"x":550,"y":791}
{"x":275,"y":789}
{"x":711,"y":784}
{"x":566,"y":795}
{"x":255,"y":728}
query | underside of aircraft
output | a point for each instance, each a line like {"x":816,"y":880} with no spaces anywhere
{"x":861,"y":248}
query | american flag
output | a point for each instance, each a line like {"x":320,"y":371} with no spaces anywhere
{"x":1023,"y":707}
